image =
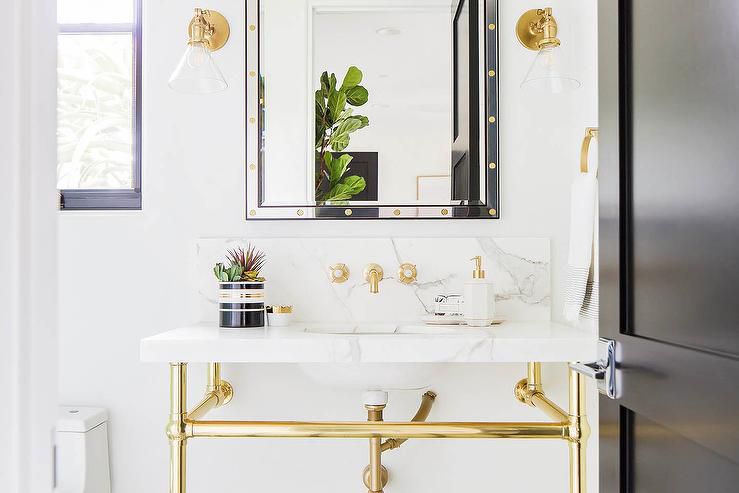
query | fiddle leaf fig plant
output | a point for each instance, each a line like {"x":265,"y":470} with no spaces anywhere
{"x":335,"y":122}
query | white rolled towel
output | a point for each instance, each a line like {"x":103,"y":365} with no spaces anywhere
{"x":581,"y":292}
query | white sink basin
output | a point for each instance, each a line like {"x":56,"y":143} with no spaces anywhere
{"x":373,"y":376}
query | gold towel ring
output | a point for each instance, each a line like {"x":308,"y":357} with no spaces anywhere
{"x":590,"y":134}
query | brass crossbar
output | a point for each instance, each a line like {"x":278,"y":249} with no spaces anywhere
{"x":570,"y":426}
{"x":364,"y":429}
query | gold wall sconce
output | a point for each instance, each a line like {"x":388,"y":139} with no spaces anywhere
{"x":197,"y":72}
{"x":536,"y":29}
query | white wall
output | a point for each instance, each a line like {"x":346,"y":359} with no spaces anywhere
{"x":125,"y":276}
{"x":28,"y":246}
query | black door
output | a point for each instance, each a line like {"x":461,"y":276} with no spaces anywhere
{"x":669,"y":178}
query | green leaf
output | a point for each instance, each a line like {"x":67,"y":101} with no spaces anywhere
{"x":352,"y":78}
{"x":357,"y":96}
{"x":349,"y":125}
{"x":325,"y":84}
{"x":354,"y":184}
{"x":338,"y":168}
{"x":349,"y":186}
{"x":338,"y":141}
{"x":336,"y":105}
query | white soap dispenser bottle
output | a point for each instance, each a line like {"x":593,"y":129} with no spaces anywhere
{"x":479,"y":298}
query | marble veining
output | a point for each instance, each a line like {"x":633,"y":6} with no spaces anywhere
{"x":297,"y":274}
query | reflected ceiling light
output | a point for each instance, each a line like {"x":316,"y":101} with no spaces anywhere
{"x":537,"y":30}
{"x":388,"y":31}
{"x":197,"y":73}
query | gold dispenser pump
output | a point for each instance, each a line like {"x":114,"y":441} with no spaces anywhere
{"x":570,"y":426}
{"x":478,"y":273}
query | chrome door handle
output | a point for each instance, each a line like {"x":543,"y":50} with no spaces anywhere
{"x":603,"y":371}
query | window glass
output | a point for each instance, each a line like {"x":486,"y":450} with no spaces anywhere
{"x":95,"y":111}
{"x":94,"y":11}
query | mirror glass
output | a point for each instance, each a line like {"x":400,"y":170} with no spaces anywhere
{"x":371,"y":103}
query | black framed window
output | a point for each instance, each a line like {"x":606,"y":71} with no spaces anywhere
{"x":99,"y":104}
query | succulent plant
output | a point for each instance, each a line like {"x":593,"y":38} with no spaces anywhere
{"x":243,"y":265}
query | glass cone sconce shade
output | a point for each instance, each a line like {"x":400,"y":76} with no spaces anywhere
{"x":537,"y":30}
{"x":197,"y":72}
{"x":546,"y":75}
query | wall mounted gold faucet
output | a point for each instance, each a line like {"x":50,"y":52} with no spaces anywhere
{"x":373,"y":274}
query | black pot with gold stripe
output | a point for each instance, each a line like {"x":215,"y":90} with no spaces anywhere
{"x":241,"y":304}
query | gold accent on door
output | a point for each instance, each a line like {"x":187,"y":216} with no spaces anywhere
{"x":347,"y":212}
{"x":491,"y":165}
{"x":492,"y":212}
{"x":444,"y":212}
{"x":396,"y":212}
{"x":491,"y":27}
{"x":491,"y":73}
{"x":300,"y":212}
{"x":407,"y":273}
{"x":339,"y":273}
{"x":491,"y":119}
{"x":252,"y":212}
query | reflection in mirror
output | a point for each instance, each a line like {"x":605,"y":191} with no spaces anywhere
{"x":371,"y":103}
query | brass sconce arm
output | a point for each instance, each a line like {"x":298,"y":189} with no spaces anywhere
{"x":210,"y":28}
{"x":537,"y":29}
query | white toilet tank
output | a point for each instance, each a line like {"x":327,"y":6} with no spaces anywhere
{"x":81,"y":451}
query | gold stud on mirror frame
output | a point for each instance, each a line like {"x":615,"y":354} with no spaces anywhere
{"x":252,"y":167}
{"x":300,"y":212}
{"x":252,"y":212}
{"x":252,"y":120}
{"x":491,"y":119}
{"x":252,"y":27}
{"x":444,"y":212}
{"x":407,"y":273}
{"x":490,"y":26}
{"x":491,"y":165}
{"x":339,"y":273}
{"x":252,"y":73}
{"x":396,"y":212}
{"x":492,"y":212}
{"x":347,"y":212}
{"x":491,"y":73}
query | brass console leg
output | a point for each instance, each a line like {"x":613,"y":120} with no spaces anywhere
{"x":579,"y":432}
{"x":176,"y":427}
{"x":374,"y":413}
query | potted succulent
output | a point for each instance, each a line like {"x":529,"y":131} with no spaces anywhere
{"x":241,"y":289}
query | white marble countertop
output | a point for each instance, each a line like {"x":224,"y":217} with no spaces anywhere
{"x":372,"y":343}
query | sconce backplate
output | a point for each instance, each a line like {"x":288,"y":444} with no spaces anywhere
{"x":526,"y":36}
{"x":221,"y":29}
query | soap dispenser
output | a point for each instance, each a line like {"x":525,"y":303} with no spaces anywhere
{"x":479,"y":298}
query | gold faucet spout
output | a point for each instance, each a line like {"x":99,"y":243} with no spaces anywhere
{"x":373,"y":274}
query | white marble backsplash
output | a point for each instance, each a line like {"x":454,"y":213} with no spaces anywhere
{"x":297,"y":274}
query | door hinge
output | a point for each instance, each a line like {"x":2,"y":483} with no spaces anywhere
{"x":603,"y":370}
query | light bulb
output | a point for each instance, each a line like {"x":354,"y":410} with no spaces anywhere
{"x":197,"y":54}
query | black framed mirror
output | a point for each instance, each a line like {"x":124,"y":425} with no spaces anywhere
{"x":372,"y":109}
